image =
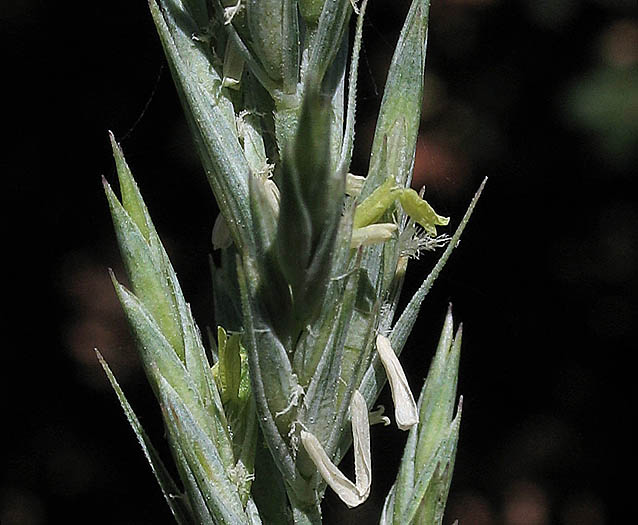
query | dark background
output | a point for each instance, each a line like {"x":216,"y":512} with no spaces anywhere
{"x":539,"y":95}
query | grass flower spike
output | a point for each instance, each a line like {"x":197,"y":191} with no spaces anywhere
{"x":307,"y":267}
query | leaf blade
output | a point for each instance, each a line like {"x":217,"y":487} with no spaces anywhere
{"x":168,"y":486}
{"x":219,"y":148}
{"x":403,"y":94}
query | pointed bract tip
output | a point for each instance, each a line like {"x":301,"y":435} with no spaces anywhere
{"x":110,"y":194}
{"x":480,"y":188}
{"x":114,"y":280}
{"x":117,"y":150}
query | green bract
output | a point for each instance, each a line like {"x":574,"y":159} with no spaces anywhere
{"x":310,"y":263}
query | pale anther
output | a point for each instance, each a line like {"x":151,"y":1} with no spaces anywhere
{"x":405,"y":409}
{"x":372,"y":234}
{"x":352,"y":494}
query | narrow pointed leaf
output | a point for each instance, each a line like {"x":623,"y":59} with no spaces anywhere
{"x":433,"y":484}
{"x":200,"y":372}
{"x":131,"y":197}
{"x":145,"y":273}
{"x":333,"y":22}
{"x":275,"y":38}
{"x":160,"y":361}
{"x":219,"y":148}
{"x":403,"y":93}
{"x":424,"y":477}
{"x":156,"y":284}
{"x":348,"y":136}
{"x":199,"y":509}
{"x":220,"y":495}
{"x":315,"y":339}
{"x":404,"y":484}
{"x":272,"y":435}
{"x":322,"y":400}
{"x":265,"y":23}
{"x":334,"y":87}
{"x":310,"y":210}
{"x":388,"y":509}
{"x":169,"y":488}
{"x":404,"y":324}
